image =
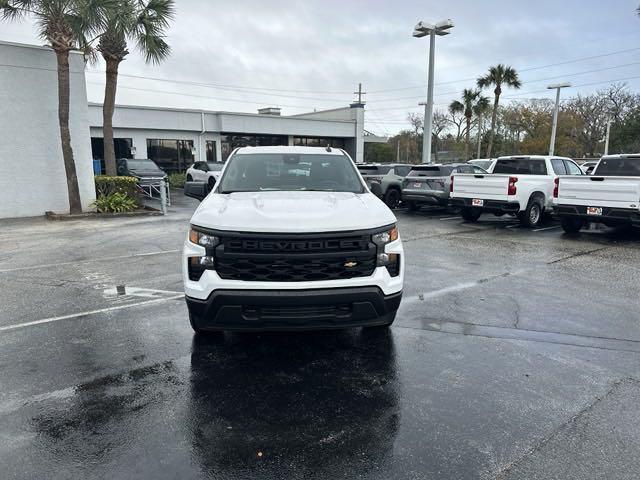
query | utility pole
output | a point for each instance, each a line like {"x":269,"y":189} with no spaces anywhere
{"x":398,"y":151}
{"x":423,"y":29}
{"x":606,"y":141}
{"x":557,"y":88}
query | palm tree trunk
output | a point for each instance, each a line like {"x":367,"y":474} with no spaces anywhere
{"x":466,"y":139}
{"x":75,"y":206}
{"x":107,"y":116}
{"x":494,"y":117}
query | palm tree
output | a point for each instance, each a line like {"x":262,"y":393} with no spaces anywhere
{"x":498,"y":76}
{"x":144,"y":24}
{"x":472,"y":103}
{"x":64,"y":25}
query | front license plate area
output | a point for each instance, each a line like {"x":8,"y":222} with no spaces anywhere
{"x":594,"y":210}
{"x":477,"y":202}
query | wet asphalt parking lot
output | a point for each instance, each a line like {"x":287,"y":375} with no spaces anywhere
{"x":515,"y":354}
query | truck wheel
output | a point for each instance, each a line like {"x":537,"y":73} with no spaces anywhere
{"x":392,"y":198}
{"x":532,"y":216}
{"x":572,"y":225}
{"x":471,"y":214}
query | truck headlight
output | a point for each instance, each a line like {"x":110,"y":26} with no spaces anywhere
{"x":203,"y":239}
{"x":197,"y":265}
{"x":389,"y":260}
{"x":388,"y":236}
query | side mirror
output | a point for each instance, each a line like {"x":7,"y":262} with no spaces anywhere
{"x":376,"y":189}
{"x":197,"y":190}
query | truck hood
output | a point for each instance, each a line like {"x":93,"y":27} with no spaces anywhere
{"x":292,"y":212}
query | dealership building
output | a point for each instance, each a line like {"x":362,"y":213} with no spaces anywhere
{"x":173,"y":138}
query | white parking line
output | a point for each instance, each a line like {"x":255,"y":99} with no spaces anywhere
{"x":99,"y":259}
{"x":84,"y":314}
{"x":546,"y":228}
{"x":515,"y":225}
{"x":450,"y":218}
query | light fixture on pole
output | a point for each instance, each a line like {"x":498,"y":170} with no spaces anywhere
{"x":423,"y":29}
{"x":557,"y":87}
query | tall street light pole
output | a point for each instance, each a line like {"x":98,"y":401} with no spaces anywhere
{"x":557,"y":87}
{"x":606,"y":141}
{"x":423,"y":29}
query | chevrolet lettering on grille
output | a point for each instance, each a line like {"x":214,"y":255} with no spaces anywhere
{"x":297,"y":245}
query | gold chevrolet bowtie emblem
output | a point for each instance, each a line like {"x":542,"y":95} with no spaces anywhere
{"x":350,"y":264}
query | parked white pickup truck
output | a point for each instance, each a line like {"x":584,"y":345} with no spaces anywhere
{"x":611,"y":195}
{"x":519,"y":185}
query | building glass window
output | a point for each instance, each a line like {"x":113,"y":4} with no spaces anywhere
{"x":211,"y":151}
{"x":170,"y":155}
{"x":319,"y":142}
{"x":122,"y":147}
{"x":231,"y":141}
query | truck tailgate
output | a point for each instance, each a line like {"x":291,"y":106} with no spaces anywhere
{"x":487,"y":187}
{"x":616,"y":192}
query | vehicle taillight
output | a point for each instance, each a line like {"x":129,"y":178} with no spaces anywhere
{"x":512,"y":186}
{"x":556,"y":187}
{"x":451,"y":185}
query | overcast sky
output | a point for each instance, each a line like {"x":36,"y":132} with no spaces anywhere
{"x":305,"y":55}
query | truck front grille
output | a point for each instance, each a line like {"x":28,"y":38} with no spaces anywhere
{"x":295,"y":258}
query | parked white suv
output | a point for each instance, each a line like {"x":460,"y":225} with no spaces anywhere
{"x":520,"y":185}
{"x":291,"y":238}
{"x":208,"y":172}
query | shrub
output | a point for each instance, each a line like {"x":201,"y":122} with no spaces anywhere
{"x":176,"y":180}
{"x":116,"y":202}
{"x":106,"y":185}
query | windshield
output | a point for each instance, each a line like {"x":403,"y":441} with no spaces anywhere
{"x":374,"y":169}
{"x":215,"y":167}
{"x":521,"y":166}
{"x":430,"y":171}
{"x":148,"y":164}
{"x":484,"y":164}
{"x":290,"y":172}
{"x":620,"y":167}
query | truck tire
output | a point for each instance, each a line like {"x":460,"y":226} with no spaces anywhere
{"x":572,"y":225}
{"x":471,"y":214}
{"x":532,"y":216}
{"x":392,"y":198}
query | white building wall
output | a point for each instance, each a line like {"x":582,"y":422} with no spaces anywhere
{"x":32,"y":176}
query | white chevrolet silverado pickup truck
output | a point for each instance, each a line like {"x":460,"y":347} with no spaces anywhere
{"x":291,"y":238}
{"x":611,"y":195}
{"x":520,"y":185}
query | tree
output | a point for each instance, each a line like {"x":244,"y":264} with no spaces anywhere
{"x":64,"y":25}
{"x":144,"y":24}
{"x":472,"y":102}
{"x":498,"y":76}
{"x":378,"y":153}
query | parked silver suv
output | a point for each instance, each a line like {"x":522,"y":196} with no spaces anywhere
{"x":430,"y":184}
{"x":389,"y":176}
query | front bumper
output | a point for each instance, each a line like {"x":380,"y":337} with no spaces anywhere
{"x":262,"y":310}
{"x":610,"y":215}
{"x":489,"y":205}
